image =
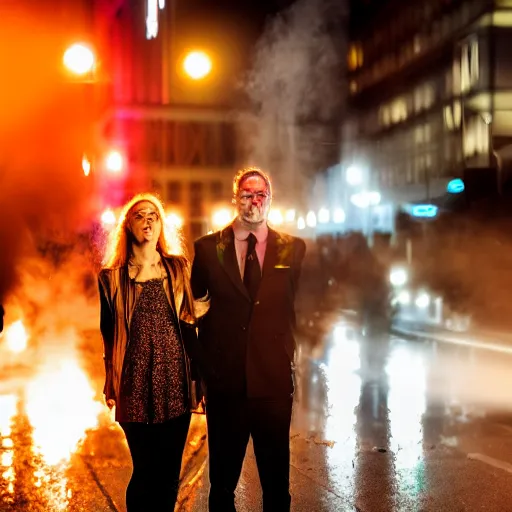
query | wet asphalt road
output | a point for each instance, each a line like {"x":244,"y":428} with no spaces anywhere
{"x":380,"y":424}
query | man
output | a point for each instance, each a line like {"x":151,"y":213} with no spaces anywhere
{"x":250,"y":273}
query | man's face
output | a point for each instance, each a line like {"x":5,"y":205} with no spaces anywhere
{"x":145,"y":223}
{"x":253,"y":200}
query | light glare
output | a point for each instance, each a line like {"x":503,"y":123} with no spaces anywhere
{"x":221,"y":218}
{"x":173,"y":220}
{"x":108,"y":218}
{"x":323,"y":216}
{"x":275,"y":217}
{"x":114,"y":161}
{"x":338,"y":216}
{"x":17,"y":337}
{"x":79,"y":59}
{"x":197,"y":65}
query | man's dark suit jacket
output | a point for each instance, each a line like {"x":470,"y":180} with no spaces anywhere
{"x":247,"y":348}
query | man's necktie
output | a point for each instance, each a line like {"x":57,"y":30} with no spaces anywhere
{"x":252,"y":270}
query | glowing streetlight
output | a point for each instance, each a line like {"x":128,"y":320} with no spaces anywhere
{"x":86,"y":165}
{"x":354,"y":175}
{"x":301,"y":224}
{"x":275,"y":217}
{"x":79,"y":59}
{"x":338,"y":216}
{"x":311,"y":219}
{"x":197,"y":65}
{"x":114,"y":162}
{"x":323,"y":216}
{"x":289,"y":215}
{"x":398,"y":277}
{"x":221,"y":218}
{"x":174,"y":221}
{"x":108,"y":218}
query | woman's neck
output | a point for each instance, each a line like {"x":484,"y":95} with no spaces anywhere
{"x":145,"y":254}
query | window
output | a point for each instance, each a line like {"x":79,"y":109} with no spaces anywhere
{"x":174,"y":191}
{"x":196,"y":199}
{"x":452,"y":116}
{"x":216,"y":189}
{"x":476,"y":137}
{"x":469,"y":70}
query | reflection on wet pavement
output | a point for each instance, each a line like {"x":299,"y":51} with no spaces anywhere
{"x":42,"y":423}
{"x":371,"y":414}
{"x":378,"y":406}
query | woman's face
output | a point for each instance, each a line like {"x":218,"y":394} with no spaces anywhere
{"x":145,"y":223}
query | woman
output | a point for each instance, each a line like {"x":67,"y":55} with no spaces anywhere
{"x":148,"y":315}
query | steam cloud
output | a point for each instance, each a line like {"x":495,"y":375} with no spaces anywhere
{"x":296,"y":88}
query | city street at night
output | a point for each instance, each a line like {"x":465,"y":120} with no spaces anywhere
{"x":290,"y":220}
{"x":380,"y":424}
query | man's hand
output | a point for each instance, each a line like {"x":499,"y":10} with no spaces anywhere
{"x":111,"y":403}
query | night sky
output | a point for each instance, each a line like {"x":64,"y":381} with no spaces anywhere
{"x":230,"y":28}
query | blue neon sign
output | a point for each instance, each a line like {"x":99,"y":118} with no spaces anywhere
{"x":424,"y":210}
{"x":455,"y":186}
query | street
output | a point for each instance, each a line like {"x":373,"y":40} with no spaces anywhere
{"x":380,"y":424}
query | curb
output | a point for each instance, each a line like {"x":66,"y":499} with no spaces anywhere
{"x":454,"y":340}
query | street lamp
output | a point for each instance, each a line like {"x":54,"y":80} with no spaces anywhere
{"x":79,"y":59}
{"x":197,"y":65}
{"x":114,"y":162}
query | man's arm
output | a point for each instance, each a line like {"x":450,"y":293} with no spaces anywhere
{"x":298,"y":257}
{"x":199,"y":275}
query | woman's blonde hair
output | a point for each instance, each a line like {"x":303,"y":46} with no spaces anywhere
{"x":170,"y":246}
{"x":119,"y":246}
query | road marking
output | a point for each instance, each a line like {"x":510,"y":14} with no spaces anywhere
{"x":496,"y":463}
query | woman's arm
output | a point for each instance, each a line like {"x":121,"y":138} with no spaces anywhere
{"x":107,"y":333}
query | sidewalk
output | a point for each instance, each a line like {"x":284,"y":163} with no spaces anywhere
{"x":498,"y":341}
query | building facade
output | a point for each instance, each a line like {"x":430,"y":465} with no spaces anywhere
{"x":429,"y":102}
{"x":175,"y":136}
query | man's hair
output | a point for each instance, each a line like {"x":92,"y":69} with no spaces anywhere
{"x":247,"y":172}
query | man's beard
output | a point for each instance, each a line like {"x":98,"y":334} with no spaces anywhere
{"x":254,"y":216}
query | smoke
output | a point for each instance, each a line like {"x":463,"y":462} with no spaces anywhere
{"x":296,"y":89}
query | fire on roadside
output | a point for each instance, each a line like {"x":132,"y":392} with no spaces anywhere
{"x":16,"y":337}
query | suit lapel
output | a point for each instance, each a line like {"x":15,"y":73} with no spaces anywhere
{"x":270,"y":260}
{"x":226,"y":254}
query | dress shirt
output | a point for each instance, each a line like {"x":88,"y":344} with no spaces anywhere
{"x":241,"y":234}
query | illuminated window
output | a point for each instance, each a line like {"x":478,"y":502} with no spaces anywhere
{"x":469,"y":69}
{"x":476,"y":137}
{"x":398,"y":110}
{"x":385,"y":116}
{"x":352,"y":58}
{"x":418,"y":135}
{"x":355,"y":57}
{"x":452,"y":116}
